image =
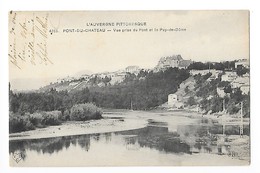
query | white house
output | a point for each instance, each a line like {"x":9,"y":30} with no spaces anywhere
{"x":229,"y":76}
{"x":202,"y":72}
{"x":243,"y":63}
{"x":132,"y":69}
{"x":172,"y":99}
{"x":245,"y":89}
{"x":221,"y":92}
{"x":239,"y":81}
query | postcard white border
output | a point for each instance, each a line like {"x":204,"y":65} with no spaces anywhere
{"x":21,"y":5}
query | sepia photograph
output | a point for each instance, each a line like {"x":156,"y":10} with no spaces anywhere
{"x":129,"y":88}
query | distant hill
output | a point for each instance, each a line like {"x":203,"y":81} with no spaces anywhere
{"x":29,"y":84}
{"x":86,"y":78}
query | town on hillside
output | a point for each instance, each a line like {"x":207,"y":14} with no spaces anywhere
{"x":205,"y":89}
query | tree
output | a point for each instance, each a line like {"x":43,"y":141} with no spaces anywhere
{"x":236,"y":96}
{"x":106,"y":80}
{"x":142,"y":73}
{"x":219,"y":66}
{"x":191,"y":101}
{"x":14,"y":102}
{"x":187,"y":90}
{"x":228,"y":89}
{"x":241,"y":70}
{"x":198,"y":66}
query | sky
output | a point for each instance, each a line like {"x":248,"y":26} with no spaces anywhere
{"x":208,"y":36}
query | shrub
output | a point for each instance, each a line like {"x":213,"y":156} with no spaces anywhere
{"x":187,"y":89}
{"x":18,"y":123}
{"x":42,"y":119}
{"x":206,"y":76}
{"x":36,"y":119}
{"x":65,"y":116}
{"x":191,"y":101}
{"x":83,"y":112}
{"x":51,"y":118}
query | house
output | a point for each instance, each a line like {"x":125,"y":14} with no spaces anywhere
{"x":229,"y":76}
{"x":221,"y":92}
{"x":239,"y":81}
{"x":210,"y":97}
{"x":243,"y":63}
{"x":132,"y":69}
{"x":202,"y":72}
{"x":212,"y":77}
{"x":245,"y":89}
{"x":215,"y":73}
{"x":101,"y":84}
{"x":246,"y":75}
{"x":73,"y":83}
{"x":172,"y":99}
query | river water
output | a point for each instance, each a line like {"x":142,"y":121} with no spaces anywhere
{"x":160,"y":143}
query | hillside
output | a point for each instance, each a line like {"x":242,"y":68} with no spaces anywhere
{"x":143,"y":91}
{"x":211,"y":93}
{"x":185,"y":91}
{"x":87,"y":79}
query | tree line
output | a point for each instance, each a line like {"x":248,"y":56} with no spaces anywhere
{"x":226,"y":65}
{"x":143,"y":91}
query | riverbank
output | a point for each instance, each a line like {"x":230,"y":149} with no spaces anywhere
{"x":189,"y":125}
{"x":214,"y":118}
{"x":121,"y":120}
{"x":114,"y":120}
{"x":111,"y":122}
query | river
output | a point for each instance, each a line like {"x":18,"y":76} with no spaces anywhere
{"x":168,"y":139}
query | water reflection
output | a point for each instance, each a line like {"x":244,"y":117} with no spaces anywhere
{"x":189,"y":139}
{"x":209,"y":138}
{"x":156,"y":137}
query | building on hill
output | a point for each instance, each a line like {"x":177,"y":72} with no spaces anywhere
{"x":173,"y":101}
{"x":239,"y":81}
{"x":245,"y":89}
{"x":132,"y":69}
{"x":201,"y":72}
{"x":243,"y":63}
{"x":229,"y":76}
{"x":221,"y":92}
{"x":214,"y":73}
{"x":172,"y":61}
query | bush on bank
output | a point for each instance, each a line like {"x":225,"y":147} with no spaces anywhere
{"x":19,"y":123}
{"x":83,"y":112}
{"x":79,"y":112}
